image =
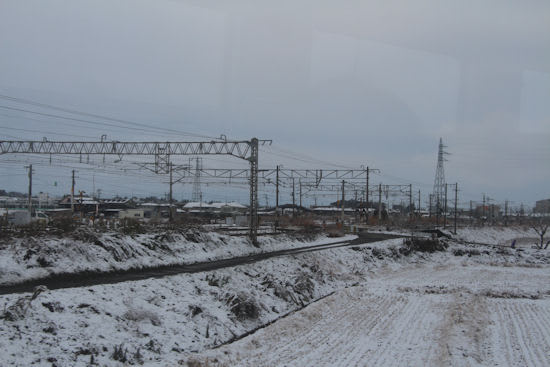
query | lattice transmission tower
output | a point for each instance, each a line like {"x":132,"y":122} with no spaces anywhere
{"x":197,"y":194}
{"x":439,"y":182}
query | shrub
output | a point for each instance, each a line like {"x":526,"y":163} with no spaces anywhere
{"x":120,"y":353}
{"x":214,"y":281}
{"x":244,"y":307}
{"x":131,"y":226}
{"x":425,"y":244}
{"x":64,"y":224}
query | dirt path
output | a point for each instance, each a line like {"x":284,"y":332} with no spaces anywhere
{"x":437,"y":315}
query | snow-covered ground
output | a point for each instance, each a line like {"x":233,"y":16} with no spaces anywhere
{"x":442,"y":315}
{"x":163,"y":318}
{"x":498,"y":235}
{"x":30,"y":258}
{"x":468,"y":305}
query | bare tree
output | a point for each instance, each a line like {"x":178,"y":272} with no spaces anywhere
{"x":541,"y":229}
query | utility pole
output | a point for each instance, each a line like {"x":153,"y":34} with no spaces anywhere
{"x":506,"y":213}
{"x":456,"y":201}
{"x":483,"y":217}
{"x":343,"y":198}
{"x":430,"y":206}
{"x":445,"y":214}
{"x":293,"y":198}
{"x":30,"y":189}
{"x":367,"y":190}
{"x":277,"y":192}
{"x":419,"y":214}
{"x":369,"y":170}
{"x":171,"y":166}
{"x":367,"y":198}
{"x":410,"y":201}
{"x":379,"y":201}
{"x":357,"y":206}
{"x":72,"y":194}
{"x":471,"y":212}
{"x":81,"y":194}
{"x":437,"y":212}
{"x":300,"y":183}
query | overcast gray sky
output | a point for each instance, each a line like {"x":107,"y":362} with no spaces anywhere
{"x":344,"y":82}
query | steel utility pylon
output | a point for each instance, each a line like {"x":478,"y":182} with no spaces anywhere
{"x":439,"y":182}
{"x":197,"y":194}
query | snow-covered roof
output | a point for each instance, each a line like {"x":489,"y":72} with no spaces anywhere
{"x":331,"y":209}
{"x":10,"y":198}
{"x":232,"y":204}
{"x":85,"y":200}
{"x":115,"y":201}
{"x":193,"y":204}
{"x":217,"y":205}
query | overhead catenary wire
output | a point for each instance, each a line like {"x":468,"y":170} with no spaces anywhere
{"x":98,"y":116}
{"x":148,"y":130}
{"x":111,"y":131}
{"x":47,"y":132}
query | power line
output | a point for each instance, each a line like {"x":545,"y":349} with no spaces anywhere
{"x":149,"y":130}
{"x":118,"y":129}
{"x":46,"y":132}
{"x":305,"y":160}
{"x":102,"y":117}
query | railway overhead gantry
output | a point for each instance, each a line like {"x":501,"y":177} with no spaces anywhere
{"x":161,"y":151}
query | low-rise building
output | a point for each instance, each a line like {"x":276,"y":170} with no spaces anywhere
{"x":542,"y":206}
{"x":132,"y":213}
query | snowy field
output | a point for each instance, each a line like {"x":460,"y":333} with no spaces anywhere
{"x":457,"y":315}
{"x":498,"y":235}
{"x":468,"y":305}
